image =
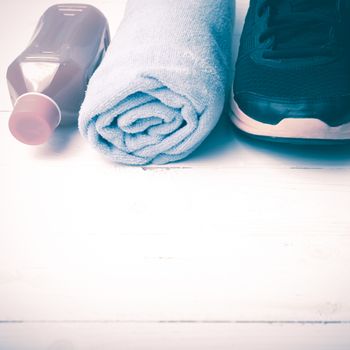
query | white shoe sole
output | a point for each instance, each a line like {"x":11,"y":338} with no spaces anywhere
{"x":289,"y":128}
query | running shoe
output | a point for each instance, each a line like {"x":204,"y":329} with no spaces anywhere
{"x":292,"y":79}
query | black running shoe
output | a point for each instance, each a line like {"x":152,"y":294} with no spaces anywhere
{"x":293,"y":71}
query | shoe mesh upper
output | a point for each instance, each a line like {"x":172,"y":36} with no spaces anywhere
{"x":297,"y":78}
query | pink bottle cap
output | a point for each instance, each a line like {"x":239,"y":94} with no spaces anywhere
{"x":34,"y":118}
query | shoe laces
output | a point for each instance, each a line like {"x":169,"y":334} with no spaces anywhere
{"x":299,"y":28}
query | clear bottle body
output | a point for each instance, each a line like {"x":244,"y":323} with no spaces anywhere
{"x":68,"y":44}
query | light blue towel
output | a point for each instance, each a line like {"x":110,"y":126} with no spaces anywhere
{"x":161,"y":88}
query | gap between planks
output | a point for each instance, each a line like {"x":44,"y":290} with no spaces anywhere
{"x":242,"y":322}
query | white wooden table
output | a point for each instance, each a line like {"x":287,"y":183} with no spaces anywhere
{"x":244,"y":245}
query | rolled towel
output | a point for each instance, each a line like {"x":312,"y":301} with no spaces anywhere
{"x":160,"y":89}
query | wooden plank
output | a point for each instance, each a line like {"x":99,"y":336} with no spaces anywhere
{"x":83,"y":277}
{"x":248,"y":239}
{"x":174,"y":336}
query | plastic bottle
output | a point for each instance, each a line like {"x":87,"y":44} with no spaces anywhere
{"x":47,"y":82}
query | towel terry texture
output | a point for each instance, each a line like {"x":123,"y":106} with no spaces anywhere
{"x":160,"y":89}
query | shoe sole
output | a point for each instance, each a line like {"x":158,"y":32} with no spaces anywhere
{"x":290,"y":130}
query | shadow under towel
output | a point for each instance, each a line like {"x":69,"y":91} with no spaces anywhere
{"x":161,"y":88}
